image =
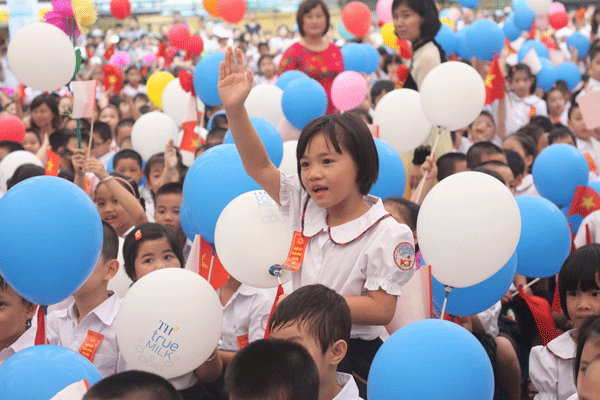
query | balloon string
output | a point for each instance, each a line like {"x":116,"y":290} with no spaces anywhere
{"x":79,"y":133}
{"x":422,"y":183}
{"x":533,"y":282}
{"x":448,"y":290}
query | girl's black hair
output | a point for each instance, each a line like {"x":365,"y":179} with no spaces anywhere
{"x":552,"y":89}
{"x":428,"y":11}
{"x":519,"y":68}
{"x":560,"y":132}
{"x":408,"y":209}
{"x":142,"y":233}
{"x":51,"y":100}
{"x":24,"y":171}
{"x":579,"y":272}
{"x":589,"y":330}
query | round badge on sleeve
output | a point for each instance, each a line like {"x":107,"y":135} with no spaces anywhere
{"x":404,"y":256}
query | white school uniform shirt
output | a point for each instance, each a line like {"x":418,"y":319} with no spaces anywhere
{"x":146,"y":194}
{"x":349,"y":388}
{"x":593,"y":223}
{"x":592,"y":148}
{"x":131,"y":92}
{"x":517,"y":111}
{"x":489,"y":319}
{"x":24,"y":341}
{"x":353,"y":258}
{"x":527,"y":187}
{"x":243,"y":315}
{"x":574,"y":397}
{"x":102,"y":320}
{"x":551,"y":368}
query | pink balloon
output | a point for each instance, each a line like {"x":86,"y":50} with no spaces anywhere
{"x":348,"y":90}
{"x":120,"y":59}
{"x":149,"y":58}
{"x":556,"y":7}
{"x":384,"y":10}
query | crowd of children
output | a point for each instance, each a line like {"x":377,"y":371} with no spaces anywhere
{"x":360,"y":250}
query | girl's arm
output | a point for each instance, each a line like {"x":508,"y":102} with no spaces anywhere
{"x":376,"y":308}
{"x":123,"y":196}
{"x":210,"y":370}
{"x":234,"y":87}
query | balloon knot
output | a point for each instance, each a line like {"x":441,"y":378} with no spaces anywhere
{"x":275,"y":270}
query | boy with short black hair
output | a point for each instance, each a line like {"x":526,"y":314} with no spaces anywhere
{"x":482,"y":152}
{"x":503,"y":170}
{"x":516,"y":164}
{"x":450,"y":164}
{"x":133,"y":385}
{"x":8,"y":146}
{"x":167,"y":205}
{"x":319,"y":319}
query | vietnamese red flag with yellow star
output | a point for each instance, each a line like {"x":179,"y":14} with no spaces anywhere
{"x":585,"y":201}
{"x":494,"y":82}
{"x":190,"y":140}
{"x":203,"y":260}
{"x":52,"y":162}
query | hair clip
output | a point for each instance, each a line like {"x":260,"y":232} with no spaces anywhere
{"x":138,"y":234}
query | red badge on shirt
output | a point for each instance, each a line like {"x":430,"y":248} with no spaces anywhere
{"x":90,"y":345}
{"x":242,"y":341}
{"x":404,"y":256}
{"x":296,"y":254}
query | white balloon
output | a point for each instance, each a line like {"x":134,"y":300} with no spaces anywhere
{"x":41,"y":56}
{"x":264,"y":101}
{"x":12,"y":161}
{"x":151,"y":133}
{"x":169,"y":322}
{"x":288,"y":131}
{"x":452,"y":95}
{"x":251,"y":235}
{"x":174,"y":101}
{"x":401,"y":121}
{"x":540,"y":7}
{"x":469,"y":226}
{"x":289,"y":163}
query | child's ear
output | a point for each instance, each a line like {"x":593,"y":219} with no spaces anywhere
{"x":519,"y":179}
{"x":31,"y":310}
{"x":529,"y":159}
{"x":111,"y":271}
{"x":338,"y":351}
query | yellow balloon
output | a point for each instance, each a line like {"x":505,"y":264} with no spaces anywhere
{"x":389,"y":35}
{"x":447,"y":22}
{"x":156,"y":84}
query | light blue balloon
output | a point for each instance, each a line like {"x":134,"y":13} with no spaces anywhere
{"x":303,"y":100}
{"x":460,"y":48}
{"x":518,"y":4}
{"x":431,"y":359}
{"x":557,"y":171}
{"x":477,"y":298}
{"x":445,"y":38}
{"x":524,"y":17}
{"x":569,"y":73}
{"x":545,"y":240}
{"x":269,"y":135}
{"x":40,"y":372}
{"x":468,"y":3}
{"x":355,"y":57}
{"x":372,"y":58}
{"x":344,"y":32}
{"x":546,"y":78}
{"x":50,"y":238}
{"x":483,"y":39}
{"x":206,"y":78}
{"x":540,"y":49}
{"x":392,"y":175}
{"x":580,"y":42}
{"x":213,"y":180}
{"x":186,"y":224}
{"x":510,"y":29}
{"x":287,"y":77}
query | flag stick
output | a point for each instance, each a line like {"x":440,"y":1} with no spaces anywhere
{"x":422,"y":183}
{"x":533,"y":282}
{"x":91,"y":136}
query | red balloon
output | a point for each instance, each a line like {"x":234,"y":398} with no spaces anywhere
{"x":12,"y":128}
{"x":195,"y":45}
{"x":232,"y":11}
{"x":558,"y":20}
{"x":356,"y":17}
{"x":120,"y":9}
{"x":179,"y":36}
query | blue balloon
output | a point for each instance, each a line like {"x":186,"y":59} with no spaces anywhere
{"x":445,"y":38}
{"x":580,"y":42}
{"x":524,"y":17}
{"x":269,"y":135}
{"x":477,"y":298}
{"x":569,"y":73}
{"x":303,"y":100}
{"x":460,"y":47}
{"x":557,"y":171}
{"x":546,"y":78}
{"x":206,"y":78}
{"x":595,"y":185}
{"x":483,"y":39}
{"x":372,"y":58}
{"x":545,"y":240}
{"x":392,"y":175}
{"x":287,"y":77}
{"x":431,"y":359}
{"x":355,"y":57}
{"x":540,"y":49}
{"x":186,"y":224}
{"x":468,"y":3}
{"x":50,"y":238}
{"x":510,"y":29}
{"x":518,"y":4}
{"x":213,"y":180}
{"x":344,"y":32}
{"x":40,"y":372}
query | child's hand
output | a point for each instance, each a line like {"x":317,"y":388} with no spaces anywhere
{"x":95,"y":166}
{"x":78,"y":160}
{"x":234,"y":84}
{"x":171,"y":156}
{"x":429,"y":167}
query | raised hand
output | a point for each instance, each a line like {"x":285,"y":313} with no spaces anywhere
{"x":78,"y":160}
{"x":96,"y":167}
{"x":170,"y":155}
{"x":234,"y":83}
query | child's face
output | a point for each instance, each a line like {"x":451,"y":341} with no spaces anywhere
{"x":482,"y":129}
{"x":508,"y":176}
{"x":153,"y":255}
{"x":521,"y":83}
{"x":73,"y":145}
{"x":123,"y":132}
{"x":125,"y":110}
{"x":134,"y":76}
{"x":577,"y":125}
{"x":100,"y":147}
{"x":516,"y":146}
{"x":591,"y":349}
{"x":167,"y":208}
{"x":130,"y":167}
{"x":594,"y":67}
{"x":152,"y":181}
{"x":590,"y":384}
{"x":556,"y":102}
{"x":14,"y":313}
{"x":31,"y":142}
{"x":112,"y":211}
{"x":581,"y":305}
{"x":110,"y":116}
{"x":268,"y":68}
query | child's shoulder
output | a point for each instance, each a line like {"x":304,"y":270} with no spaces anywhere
{"x":563,"y":348}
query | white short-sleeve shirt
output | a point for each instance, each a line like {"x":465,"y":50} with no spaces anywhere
{"x":592,"y":221}
{"x":551,"y":368}
{"x":349,"y":388}
{"x":371,"y":252}
{"x":24,"y":341}
{"x":518,"y":111}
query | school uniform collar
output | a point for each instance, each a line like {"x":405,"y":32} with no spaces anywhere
{"x":314,"y":221}
{"x":349,"y":389}
{"x":529,"y":100}
{"x":24,"y":341}
{"x":106,"y":312}
{"x":563,"y":347}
